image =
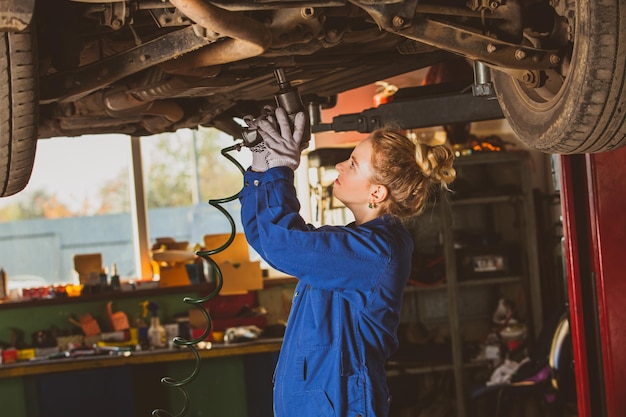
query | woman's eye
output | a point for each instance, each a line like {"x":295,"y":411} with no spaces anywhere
{"x":351,"y":164}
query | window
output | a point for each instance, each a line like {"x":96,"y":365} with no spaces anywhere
{"x":183,"y":171}
{"x":78,"y":201}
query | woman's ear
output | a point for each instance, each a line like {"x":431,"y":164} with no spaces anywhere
{"x":379,"y":193}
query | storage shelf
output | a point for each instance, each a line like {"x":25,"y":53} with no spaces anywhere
{"x":419,"y":288}
{"x":490,"y":158}
{"x":494,"y":199}
{"x":204,"y":288}
{"x":415,"y":368}
{"x":490,"y":281}
{"x":497,"y":201}
{"x":468,"y":283}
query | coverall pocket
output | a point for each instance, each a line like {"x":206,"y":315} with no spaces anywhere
{"x":319,"y":326}
{"x":320,"y":405}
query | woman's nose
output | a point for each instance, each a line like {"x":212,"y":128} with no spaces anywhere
{"x":339,"y":166}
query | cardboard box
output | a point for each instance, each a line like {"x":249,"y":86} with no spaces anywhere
{"x":240,"y":278}
{"x":88,"y":267}
{"x":240,"y":275}
{"x":173,"y":276}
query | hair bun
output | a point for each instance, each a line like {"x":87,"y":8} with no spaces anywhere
{"x":435,"y":162}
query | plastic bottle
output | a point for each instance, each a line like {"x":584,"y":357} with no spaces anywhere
{"x":156,"y":332}
{"x":115,"y":279}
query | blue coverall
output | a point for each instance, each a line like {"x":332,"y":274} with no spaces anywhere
{"x":346,"y":306}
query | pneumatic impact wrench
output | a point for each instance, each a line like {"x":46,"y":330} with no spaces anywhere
{"x":287,"y":97}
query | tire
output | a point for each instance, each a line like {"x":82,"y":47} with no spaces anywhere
{"x":18,"y":110}
{"x":582,"y":109}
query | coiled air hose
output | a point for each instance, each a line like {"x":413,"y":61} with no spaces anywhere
{"x":199,"y":302}
{"x":288,"y":98}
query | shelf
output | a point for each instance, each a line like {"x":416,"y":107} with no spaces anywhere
{"x":36,"y":302}
{"x":495,"y":199}
{"x":494,"y":204}
{"x":490,"y":281}
{"x":419,"y":288}
{"x":490,"y":158}
{"x":469,"y":283}
{"x":39,"y":367}
{"x":415,"y":368}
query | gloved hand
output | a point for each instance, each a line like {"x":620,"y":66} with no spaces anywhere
{"x":284,"y":147}
{"x":260,"y":151}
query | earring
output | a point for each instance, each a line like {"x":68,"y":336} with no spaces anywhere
{"x":370,"y":205}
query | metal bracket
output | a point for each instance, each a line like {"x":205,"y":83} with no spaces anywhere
{"x":70,"y":85}
{"x":480,"y":47}
{"x":390,"y":15}
{"x":114,"y":15}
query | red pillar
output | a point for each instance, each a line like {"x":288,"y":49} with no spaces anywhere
{"x":593,"y":195}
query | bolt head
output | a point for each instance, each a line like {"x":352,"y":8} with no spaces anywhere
{"x":555,"y":59}
{"x":397,"y":21}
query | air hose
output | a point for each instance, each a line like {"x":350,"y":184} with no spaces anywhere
{"x":199,"y":302}
{"x":288,"y":98}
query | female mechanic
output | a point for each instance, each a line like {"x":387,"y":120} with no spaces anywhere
{"x":346,"y":305}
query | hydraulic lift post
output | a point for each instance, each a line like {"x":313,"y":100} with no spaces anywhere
{"x":593,"y":196}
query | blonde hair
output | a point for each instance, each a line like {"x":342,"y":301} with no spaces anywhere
{"x":409,"y":170}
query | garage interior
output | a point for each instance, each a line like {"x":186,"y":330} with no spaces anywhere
{"x":486,"y":301}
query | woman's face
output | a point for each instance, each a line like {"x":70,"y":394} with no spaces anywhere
{"x":353,"y":186}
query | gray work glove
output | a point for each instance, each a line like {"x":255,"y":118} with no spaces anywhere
{"x":284,"y":147}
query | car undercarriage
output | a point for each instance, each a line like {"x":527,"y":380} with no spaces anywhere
{"x":142,"y":67}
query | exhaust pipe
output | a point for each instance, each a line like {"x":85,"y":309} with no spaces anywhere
{"x":245,"y":37}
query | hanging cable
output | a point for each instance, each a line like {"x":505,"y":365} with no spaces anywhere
{"x":199,"y":302}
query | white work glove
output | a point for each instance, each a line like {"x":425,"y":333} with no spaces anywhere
{"x":284,"y":147}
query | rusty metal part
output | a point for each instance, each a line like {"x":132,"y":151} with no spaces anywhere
{"x":480,"y":5}
{"x":121,"y":104}
{"x":169,"y":17}
{"x":16,"y":15}
{"x":117,"y":102}
{"x":389,"y":15}
{"x":95,"y":1}
{"x":291,"y":26}
{"x":71,"y":85}
{"x":479,"y":47}
{"x":243,"y":37}
{"x":114,"y":15}
{"x":273,"y":5}
{"x":171,"y":111}
{"x":450,"y":11}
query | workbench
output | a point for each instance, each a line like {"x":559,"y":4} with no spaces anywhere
{"x":233,"y":380}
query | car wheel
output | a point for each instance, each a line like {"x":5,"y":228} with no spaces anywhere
{"x":580,"y":106}
{"x":18,"y":110}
